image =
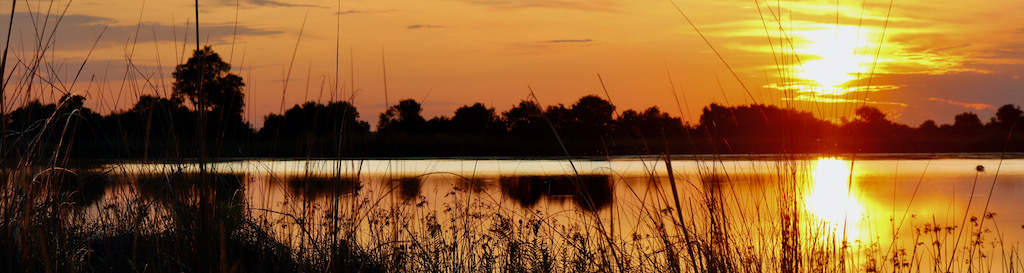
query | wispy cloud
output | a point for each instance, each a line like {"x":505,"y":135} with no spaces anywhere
{"x":351,"y":11}
{"x":282,"y":4}
{"x":266,"y":3}
{"x":360,"y":11}
{"x":549,"y":46}
{"x":77,"y":32}
{"x":592,"y":5}
{"x":569,"y":41}
{"x":810,"y":89}
{"x":836,"y":99}
{"x":422,"y":26}
{"x":975,"y":106}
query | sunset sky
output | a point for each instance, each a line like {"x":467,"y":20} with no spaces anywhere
{"x":935,"y":58}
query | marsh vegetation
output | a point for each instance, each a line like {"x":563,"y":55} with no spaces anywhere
{"x":184,"y":183}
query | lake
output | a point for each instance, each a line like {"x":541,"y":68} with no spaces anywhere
{"x":869,"y":212}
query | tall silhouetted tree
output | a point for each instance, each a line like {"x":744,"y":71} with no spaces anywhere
{"x":206,"y":81}
{"x":205,"y":70}
{"x":403,"y":117}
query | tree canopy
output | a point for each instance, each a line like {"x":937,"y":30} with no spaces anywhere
{"x":206,"y":81}
{"x":403,"y":117}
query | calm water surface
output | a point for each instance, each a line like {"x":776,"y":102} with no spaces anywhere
{"x":865,"y":203}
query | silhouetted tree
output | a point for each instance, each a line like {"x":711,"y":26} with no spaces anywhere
{"x":148,"y":102}
{"x":525,"y":119}
{"x":315,"y":129}
{"x":592,"y":115}
{"x":154,"y":126}
{"x":629,"y":122}
{"x":440,"y":125}
{"x":206,"y":81}
{"x":476,"y":119}
{"x":871,"y":115}
{"x":53,"y":129}
{"x":872,"y":131}
{"x":651,"y":123}
{"x":162,"y":117}
{"x":403,"y":117}
{"x":205,"y":71}
{"x":927,"y":136}
{"x":966,"y":124}
{"x":560,"y":117}
{"x":928,"y":127}
{"x":717,"y":119}
{"x":762,"y":128}
{"x":315,"y":119}
{"x":1009,"y":116}
{"x":37,"y":116}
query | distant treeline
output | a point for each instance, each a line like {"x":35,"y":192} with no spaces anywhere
{"x":207,"y":118}
{"x":161,"y":128}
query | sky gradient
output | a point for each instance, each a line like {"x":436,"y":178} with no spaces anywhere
{"x":915,"y":60}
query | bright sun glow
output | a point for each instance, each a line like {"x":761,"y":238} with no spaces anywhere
{"x":837,"y":57}
{"x":829,"y":199}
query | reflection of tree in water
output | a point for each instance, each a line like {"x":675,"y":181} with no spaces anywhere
{"x":475,"y":185}
{"x":203,"y":208}
{"x":311,"y":187}
{"x":408,"y":187}
{"x":175,"y":187}
{"x":594,"y":191}
{"x":87,"y":189}
{"x":78,"y":188}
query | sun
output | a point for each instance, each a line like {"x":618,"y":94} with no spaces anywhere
{"x":833,"y":57}
{"x":830,"y":199}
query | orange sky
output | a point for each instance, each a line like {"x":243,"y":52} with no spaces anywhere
{"x":936,"y":58}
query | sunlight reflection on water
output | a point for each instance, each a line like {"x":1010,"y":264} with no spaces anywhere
{"x":830,"y":199}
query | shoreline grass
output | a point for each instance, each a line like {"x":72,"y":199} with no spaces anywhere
{"x":165,"y":222}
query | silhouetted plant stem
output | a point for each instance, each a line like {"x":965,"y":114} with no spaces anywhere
{"x":679,"y":213}
{"x":3,"y":84}
{"x":991,"y":190}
